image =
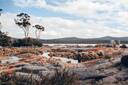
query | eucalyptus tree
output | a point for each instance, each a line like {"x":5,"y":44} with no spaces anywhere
{"x":38,"y":30}
{"x":0,"y":22}
{"x":1,"y":11}
{"x":23,"y":21}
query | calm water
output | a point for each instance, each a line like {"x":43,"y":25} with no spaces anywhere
{"x":70,"y":44}
{"x":74,"y":44}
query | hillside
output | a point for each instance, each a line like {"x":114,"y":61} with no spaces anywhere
{"x":105,"y":39}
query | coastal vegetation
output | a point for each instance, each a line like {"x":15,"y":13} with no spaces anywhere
{"x":23,"y":21}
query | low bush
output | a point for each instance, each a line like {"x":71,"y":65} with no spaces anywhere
{"x":5,"y":41}
{"x":123,"y":46}
{"x":27,"y":42}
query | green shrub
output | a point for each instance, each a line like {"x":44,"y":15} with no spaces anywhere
{"x":5,"y":40}
{"x":27,"y":42}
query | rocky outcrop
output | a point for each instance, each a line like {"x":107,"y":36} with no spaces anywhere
{"x":33,"y":69}
{"x":124,"y":60}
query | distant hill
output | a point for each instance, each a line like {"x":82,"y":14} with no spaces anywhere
{"x":72,"y":40}
{"x":114,"y":38}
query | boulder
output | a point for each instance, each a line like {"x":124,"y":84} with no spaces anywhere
{"x":47,"y":73}
{"x":110,"y":80}
{"x":21,"y":76}
{"x":50,"y":66}
{"x":84,"y":74}
{"x":33,"y":69}
{"x":124,"y":60}
{"x":122,"y":76}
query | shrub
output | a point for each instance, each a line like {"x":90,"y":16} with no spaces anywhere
{"x":5,"y":40}
{"x":100,"y":54}
{"x":5,"y":79}
{"x":27,"y":42}
{"x":123,"y":46}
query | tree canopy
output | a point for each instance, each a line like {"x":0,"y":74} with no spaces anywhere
{"x":23,"y":21}
{"x":39,"y":29}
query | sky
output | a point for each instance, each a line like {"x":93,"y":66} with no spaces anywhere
{"x":68,"y":18}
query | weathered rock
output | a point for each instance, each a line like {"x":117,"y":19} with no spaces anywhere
{"x":87,"y":74}
{"x":59,"y":64}
{"x":33,"y":69}
{"x":47,"y":73}
{"x":26,"y":76}
{"x":11,"y":60}
{"x":124,"y":60}
{"x":122,"y":76}
{"x":84,"y":74}
{"x":107,"y":64}
{"x":50,"y":66}
{"x":110,"y":80}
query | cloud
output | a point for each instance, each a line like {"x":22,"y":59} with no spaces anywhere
{"x":76,"y":7}
{"x":82,"y":7}
{"x":30,"y":3}
{"x":124,"y":1}
{"x":58,"y":27}
{"x":97,"y":18}
{"x":123,"y":17}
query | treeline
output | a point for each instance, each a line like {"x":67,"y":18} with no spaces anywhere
{"x":6,"y":41}
{"x":76,"y":41}
{"x":23,"y":21}
{"x":80,"y":41}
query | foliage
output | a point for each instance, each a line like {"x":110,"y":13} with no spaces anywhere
{"x":5,"y":40}
{"x":27,"y":42}
{"x":0,"y":15}
{"x":39,"y":29}
{"x":1,"y":11}
{"x":23,"y":21}
{"x":100,"y":54}
{"x":6,"y":79}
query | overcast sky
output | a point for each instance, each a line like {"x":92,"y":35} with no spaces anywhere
{"x":68,"y":18}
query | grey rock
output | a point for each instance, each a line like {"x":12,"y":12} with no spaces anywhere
{"x":122,"y":76}
{"x":47,"y":73}
{"x":50,"y":66}
{"x":26,"y":76}
{"x":110,"y":80}
{"x":33,"y":69}
{"x":84,"y":73}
